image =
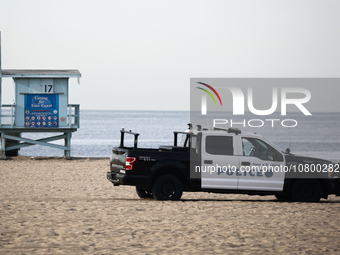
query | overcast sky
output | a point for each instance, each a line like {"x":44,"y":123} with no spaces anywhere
{"x":140,"y":55}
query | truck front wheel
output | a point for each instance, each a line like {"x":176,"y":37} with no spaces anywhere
{"x":306,"y":190}
{"x":167,"y":187}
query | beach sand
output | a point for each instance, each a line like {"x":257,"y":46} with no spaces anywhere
{"x":58,"y":206}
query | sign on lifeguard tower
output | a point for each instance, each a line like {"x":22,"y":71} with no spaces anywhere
{"x":40,"y":105}
{"x":41,"y":110}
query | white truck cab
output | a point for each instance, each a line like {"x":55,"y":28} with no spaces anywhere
{"x":240,"y":161}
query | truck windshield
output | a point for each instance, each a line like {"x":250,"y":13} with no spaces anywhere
{"x":258,"y":148}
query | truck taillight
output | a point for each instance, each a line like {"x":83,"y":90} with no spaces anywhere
{"x":129,"y":162}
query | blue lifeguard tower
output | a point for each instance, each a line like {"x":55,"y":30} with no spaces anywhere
{"x":40,"y":106}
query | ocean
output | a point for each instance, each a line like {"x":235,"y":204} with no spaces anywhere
{"x":315,"y":136}
{"x":100,"y":130}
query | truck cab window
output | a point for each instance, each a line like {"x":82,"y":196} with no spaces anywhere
{"x":256,"y":148}
{"x":219,"y":145}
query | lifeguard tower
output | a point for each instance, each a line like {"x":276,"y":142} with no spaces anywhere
{"x":41,"y":106}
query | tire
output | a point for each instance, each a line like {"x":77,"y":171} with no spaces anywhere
{"x":306,"y":190}
{"x":167,"y":187}
{"x":143,"y":193}
{"x":282,"y":197}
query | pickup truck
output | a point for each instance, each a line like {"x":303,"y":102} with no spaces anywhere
{"x":221,"y":161}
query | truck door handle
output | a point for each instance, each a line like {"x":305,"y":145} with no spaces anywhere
{"x":207,"y":161}
{"x":245,"y":163}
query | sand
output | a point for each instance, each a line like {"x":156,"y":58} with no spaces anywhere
{"x":58,"y":206}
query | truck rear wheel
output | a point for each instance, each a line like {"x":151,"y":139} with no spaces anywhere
{"x":306,"y":190}
{"x":167,"y":187}
{"x":143,"y":193}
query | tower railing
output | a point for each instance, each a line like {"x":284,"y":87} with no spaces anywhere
{"x":73,"y":115}
{"x":11,"y":116}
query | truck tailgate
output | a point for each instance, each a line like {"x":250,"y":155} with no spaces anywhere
{"x":117,"y":160}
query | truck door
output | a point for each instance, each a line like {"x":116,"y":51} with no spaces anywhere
{"x":261,"y":166}
{"x":219,"y":162}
